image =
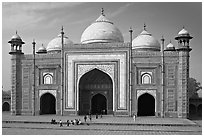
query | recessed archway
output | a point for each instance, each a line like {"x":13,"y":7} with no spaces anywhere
{"x":92,"y":83}
{"x":47,"y":104}
{"x":98,"y":104}
{"x":146,"y":105}
{"x":6,"y":106}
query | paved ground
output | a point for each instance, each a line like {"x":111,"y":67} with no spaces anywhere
{"x":104,"y":120}
{"x":19,"y":131}
{"x":108,"y":125}
{"x":48,"y":129}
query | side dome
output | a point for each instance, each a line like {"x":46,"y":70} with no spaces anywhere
{"x":101,"y":31}
{"x":41,"y":50}
{"x":56,"y":43}
{"x":145,"y":41}
{"x":170,"y":47}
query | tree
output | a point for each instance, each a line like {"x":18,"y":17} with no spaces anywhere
{"x":193,"y":87}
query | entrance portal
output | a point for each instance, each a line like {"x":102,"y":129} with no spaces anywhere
{"x":47,"y":104}
{"x":98,"y":104}
{"x":98,"y":83}
{"x":6,"y":106}
{"x":146,"y":105}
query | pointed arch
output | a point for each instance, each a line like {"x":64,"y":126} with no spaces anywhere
{"x":98,"y":104}
{"x":146,"y":105}
{"x":146,"y":78}
{"x":91,"y":83}
{"x":6,"y":106}
{"x":47,"y":104}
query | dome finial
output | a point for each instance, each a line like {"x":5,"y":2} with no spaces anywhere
{"x":130,"y":30}
{"x":170,"y":41}
{"x":16,"y":32}
{"x":183,"y":26}
{"x":62,"y":28}
{"x":33,"y":42}
{"x":102,"y":11}
{"x":162,"y":39}
{"x":145,"y":26}
{"x":62,"y":31}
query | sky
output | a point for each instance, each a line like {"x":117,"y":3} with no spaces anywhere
{"x":42,"y":21}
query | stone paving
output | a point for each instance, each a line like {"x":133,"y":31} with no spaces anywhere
{"x":104,"y":120}
{"x":102,"y":127}
{"x":18,"y":131}
{"x":107,"y":125}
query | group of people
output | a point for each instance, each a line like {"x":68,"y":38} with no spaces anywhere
{"x":53,"y":121}
{"x":74,"y":122}
{"x":69,"y":122}
{"x":90,"y":117}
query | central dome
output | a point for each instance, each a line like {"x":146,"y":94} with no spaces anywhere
{"x":101,"y":31}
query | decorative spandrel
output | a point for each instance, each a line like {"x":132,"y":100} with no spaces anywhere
{"x":83,"y":69}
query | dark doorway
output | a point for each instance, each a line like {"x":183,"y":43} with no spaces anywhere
{"x":47,"y":104}
{"x":192,"y":109}
{"x":98,"y":104}
{"x":98,"y":83}
{"x":199,"y":110}
{"x":6,"y":106}
{"x":146,"y":105}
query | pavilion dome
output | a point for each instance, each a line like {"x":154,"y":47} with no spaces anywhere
{"x":183,"y":32}
{"x":145,"y":41}
{"x":56,"y":43}
{"x":101,"y":31}
{"x":16,"y":38}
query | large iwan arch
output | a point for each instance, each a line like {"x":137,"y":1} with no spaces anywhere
{"x":95,"y":83}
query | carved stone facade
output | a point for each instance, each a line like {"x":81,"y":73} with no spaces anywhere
{"x":102,"y":75}
{"x":112,"y":65}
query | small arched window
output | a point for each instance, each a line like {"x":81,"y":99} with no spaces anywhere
{"x":48,"y":79}
{"x":146,"y":78}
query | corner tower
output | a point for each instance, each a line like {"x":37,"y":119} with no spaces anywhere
{"x":16,"y":74}
{"x":183,"y":39}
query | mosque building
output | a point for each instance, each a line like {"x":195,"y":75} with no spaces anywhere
{"x":102,"y":74}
